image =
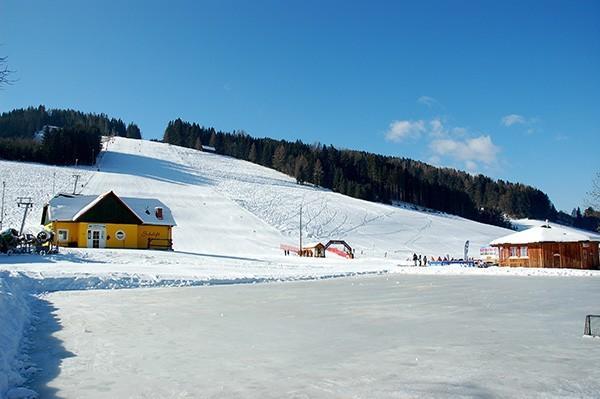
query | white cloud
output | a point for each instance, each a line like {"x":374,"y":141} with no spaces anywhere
{"x":426,"y":100}
{"x":471,"y":151}
{"x":400,"y":130}
{"x":513,"y":119}
{"x":471,"y":166}
{"x":449,"y":145}
{"x":437,"y":128}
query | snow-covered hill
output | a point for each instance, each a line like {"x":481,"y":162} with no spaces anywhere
{"x":232,"y":216}
{"x":228,"y":206}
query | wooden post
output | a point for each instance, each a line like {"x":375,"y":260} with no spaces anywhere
{"x":300,"y":229}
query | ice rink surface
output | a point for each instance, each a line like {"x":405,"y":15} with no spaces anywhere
{"x":389,"y":336}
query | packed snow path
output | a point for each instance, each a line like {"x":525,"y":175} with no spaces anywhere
{"x":378,"y":337}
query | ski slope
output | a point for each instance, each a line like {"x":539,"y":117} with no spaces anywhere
{"x":228,"y":206}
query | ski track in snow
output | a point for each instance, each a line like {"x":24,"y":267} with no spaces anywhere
{"x":232,"y":216}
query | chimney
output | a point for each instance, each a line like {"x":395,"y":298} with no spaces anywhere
{"x":158,"y":211}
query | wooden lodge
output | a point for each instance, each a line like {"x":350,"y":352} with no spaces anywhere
{"x":547,"y":246}
{"x":316,"y":250}
{"x":108,"y":221}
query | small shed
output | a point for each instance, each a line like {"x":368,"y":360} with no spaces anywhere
{"x":109,"y":221}
{"x":548,"y":246}
{"x":316,"y":250}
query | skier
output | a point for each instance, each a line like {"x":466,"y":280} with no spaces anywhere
{"x":415,"y":259}
{"x":420,"y":260}
{"x":425,"y":260}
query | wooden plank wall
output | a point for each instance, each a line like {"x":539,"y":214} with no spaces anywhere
{"x":574,"y":255}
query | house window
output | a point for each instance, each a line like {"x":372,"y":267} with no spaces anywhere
{"x":524,"y":252}
{"x":120,"y":235}
{"x":513,"y":251}
{"x":63,"y":235}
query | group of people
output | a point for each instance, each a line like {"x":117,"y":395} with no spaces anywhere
{"x":422,"y":260}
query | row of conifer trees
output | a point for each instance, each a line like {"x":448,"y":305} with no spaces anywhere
{"x":375,"y":177}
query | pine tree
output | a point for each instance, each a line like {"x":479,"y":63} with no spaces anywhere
{"x":198,"y":144}
{"x":318,"y":173}
{"x":213,"y":140}
{"x":279,"y":158}
{"x":301,"y":169}
{"x":133,"y":132}
{"x":252,"y":154}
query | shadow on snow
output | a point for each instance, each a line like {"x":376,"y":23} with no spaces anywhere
{"x":48,"y":352}
{"x":151,"y":168}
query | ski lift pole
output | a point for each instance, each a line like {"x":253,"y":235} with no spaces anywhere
{"x":300,"y":230}
{"x":75,"y":183}
{"x":27,"y":203}
{"x":2,"y":206}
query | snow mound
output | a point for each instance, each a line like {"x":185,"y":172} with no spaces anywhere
{"x":15,"y":317}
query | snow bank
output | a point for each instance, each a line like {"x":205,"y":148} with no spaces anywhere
{"x":458,"y":270}
{"x":15,"y":317}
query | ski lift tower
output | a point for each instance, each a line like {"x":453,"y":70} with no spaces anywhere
{"x":27,"y":203}
{"x":2,"y":206}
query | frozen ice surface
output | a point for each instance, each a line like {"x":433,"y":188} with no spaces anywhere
{"x":363,"y":337}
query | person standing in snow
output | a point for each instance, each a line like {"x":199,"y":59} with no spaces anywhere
{"x":415,"y":259}
{"x":420,"y":260}
{"x":425,"y":260}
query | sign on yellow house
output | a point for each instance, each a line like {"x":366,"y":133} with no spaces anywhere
{"x":109,"y":221}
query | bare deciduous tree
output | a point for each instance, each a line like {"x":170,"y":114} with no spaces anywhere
{"x":4,"y":72}
{"x":594,"y":193}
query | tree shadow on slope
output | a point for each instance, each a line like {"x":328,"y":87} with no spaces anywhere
{"x":151,"y":168}
{"x":48,"y":352}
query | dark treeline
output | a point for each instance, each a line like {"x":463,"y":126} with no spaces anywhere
{"x":62,"y":146}
{"x":23,"y":123}
{"x":56,"y":136}
{"x":375,"y":177}
{"x":589,"y":219}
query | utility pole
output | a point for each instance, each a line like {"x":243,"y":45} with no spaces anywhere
{"x":75,"y":184}
{"x":2,"y":209}
{"x":300,"y":229}
{"x":27,"y":203}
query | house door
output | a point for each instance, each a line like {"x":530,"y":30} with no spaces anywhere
{"x":96,"y":236}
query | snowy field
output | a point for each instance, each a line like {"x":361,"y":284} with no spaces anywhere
{"x":369,"y":337}
{"x":232,"y":216}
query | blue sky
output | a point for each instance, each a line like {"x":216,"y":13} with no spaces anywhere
{"x":508,"y":89}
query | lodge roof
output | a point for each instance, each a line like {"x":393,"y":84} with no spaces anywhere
{"x":69,"y":207}
{"x":544,"y":233}
{"x":312,"y":245}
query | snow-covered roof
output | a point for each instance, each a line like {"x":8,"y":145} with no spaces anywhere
{"x":311,"y":245}
{"x":544,"y":233}
{"x":68,"y":207}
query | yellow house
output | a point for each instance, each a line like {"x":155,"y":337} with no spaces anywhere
{"x":109,"y":221}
